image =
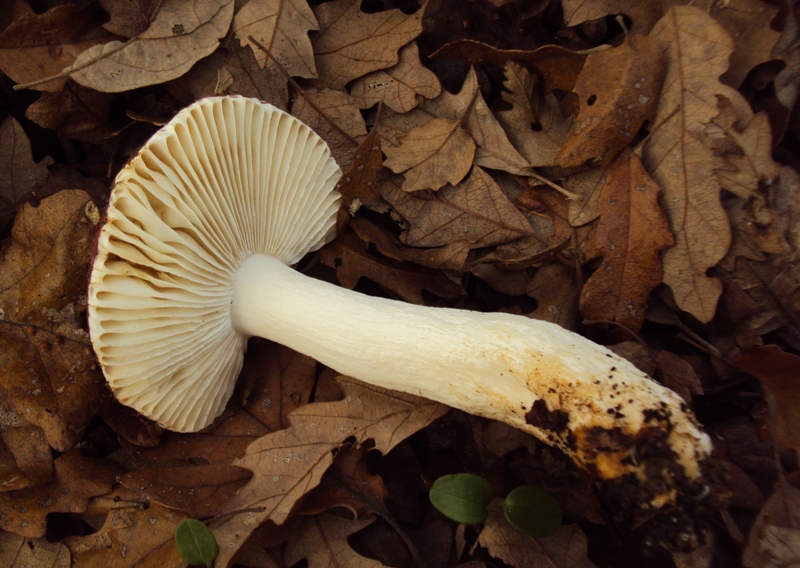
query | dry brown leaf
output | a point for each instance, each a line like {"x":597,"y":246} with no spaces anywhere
{"x":678,"y":375}
{"x":49,"y":372}
{"x":435,"y":148}
{"x":352,"y":262}
{"x":618,"y":92}
{"x":776,"y":370}
{"x":747,"y":21}
{"x":206,"y":78}
{"x":432,"y":155}
{"x":351,"y":43}
{"x":556,"y":294}
{"x":558,"y":66}
{"x":28,"y":53}
{"x":282,"y":27}
{"x":74,"y":112}
{"x":20,"y":173}
{"x":587,"y":185}
{"x":359,"y":184}
{"x":199,"y":491}
{"x":25,"y":455}
{"x":398,"y":87}
{"x":341,"y":124}
{"x":289,"y":463}
{"x":696,"y":51}
{"x":322,"y":540}
{"x":76,"y":478}
{"x":567,"y":548}
{"x":129,"y":18}
{"x":631,"y":232}
{"x":535,"y":127}
{"x":448,"y":257}
{"x":250,"y":81}
{"x":475,"y":211}
{"x":20,"y":552}
{"x":181,"y":34}
{"x":131,"y":536}
{"x":774,"y":540}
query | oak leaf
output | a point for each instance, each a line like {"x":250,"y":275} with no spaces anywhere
{"x":129,"y":18}
{"x":696,"y":51}
{"x":351,"y":43}
{"x":359,"y":184}
{"x":25,"y":455}
{"x":250,"y":81}
{"x":181,"y":34}
{"x":322,"y":540}
{"x":400,"y":86}
{"x":20,"y":173}
{"x":289,"y":463}
{"x":38,"y":46}
{"x":632,"y":230}
{"x":534,"y":124}
{"x":49,"y":372}
{"x":21,"y":552}
{"x":475,"y":211}
{"x":567,"y":548}
{"x":74,"y":112}
{"x":618,"y":92}
{"x":282,"y":27}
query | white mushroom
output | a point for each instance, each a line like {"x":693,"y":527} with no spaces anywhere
{"x":193,"y":260}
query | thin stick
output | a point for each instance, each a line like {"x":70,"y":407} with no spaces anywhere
{"x":566,"y":193}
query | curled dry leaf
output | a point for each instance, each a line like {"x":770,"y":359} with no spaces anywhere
{"x":282,"y":27}
{"x":400,"y":86}
{"x":352,"y":262}
{"x":75,"y":479}
{"x":130,"y":536}
{"x":632,"y":230}
{"x":21,"y":552}
{"x":27,"y":54}
{"x":48,"y":370}
{"x":181,"y":34}
{"x":322,"y":540}
{"x":696,"y":51}
{"x":476,"y":211}
{"x":566,"y":548}
{"x":289,"y":463}
{"x":535,"y":126}
{"x":351,"y":43}
{"x":618,"y":92}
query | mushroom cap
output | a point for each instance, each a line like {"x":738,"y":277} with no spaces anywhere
{"x":228,"y":177}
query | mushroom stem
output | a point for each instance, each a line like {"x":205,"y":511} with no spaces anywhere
{"x":533,"y":375}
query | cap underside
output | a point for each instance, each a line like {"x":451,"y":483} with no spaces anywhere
{"x":226,"y":178}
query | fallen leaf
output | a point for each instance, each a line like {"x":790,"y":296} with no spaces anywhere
{"x":37,"y":46}
{"x":282,"y":27}
{"x":322,"y":540}
{"x":400,"y":86}
{"x":618,"y":92}
{"x":74,"y":112}
{"x":352,"y":262}
{"x":557,"y":66}
{"x":443,"y":135}
{"x":567,"y":548}
{"x":556,"y":294}
{"x":129,"y":18}
{"x":776,"y":370}
{"x":631,"y":232}
{"x":359,"y":184}
{"x":351,"y":43}
{"x":696,"y":51}
{"x":49,"y":372}
{"x":587,"y":186}
{"x":25,"y":456}
{"x":130,"y":536}
{"x":289,"y":463}
{"x":448,"y":257}
{"x":20,"y":552}
{"x":20,"y":173}
{"x":181,"y":34}
{"x":75,"y":479}
{"x":337,"y":119}
{"x":535,"y":126}
{"x":475,"y":211}
{"x":774,"y":539}
{"x":250,"y":81}
{"x":207,"y":78}
{"x":678,"y":375}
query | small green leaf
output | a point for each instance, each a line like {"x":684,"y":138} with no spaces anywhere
{"x":462,"y":497}
{"x":196,"y":542}
{"x":533,"y":511}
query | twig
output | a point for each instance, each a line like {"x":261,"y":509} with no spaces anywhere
{"x":566,"y":193}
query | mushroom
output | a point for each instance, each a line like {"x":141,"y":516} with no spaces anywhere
{"x":194,"y":258}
